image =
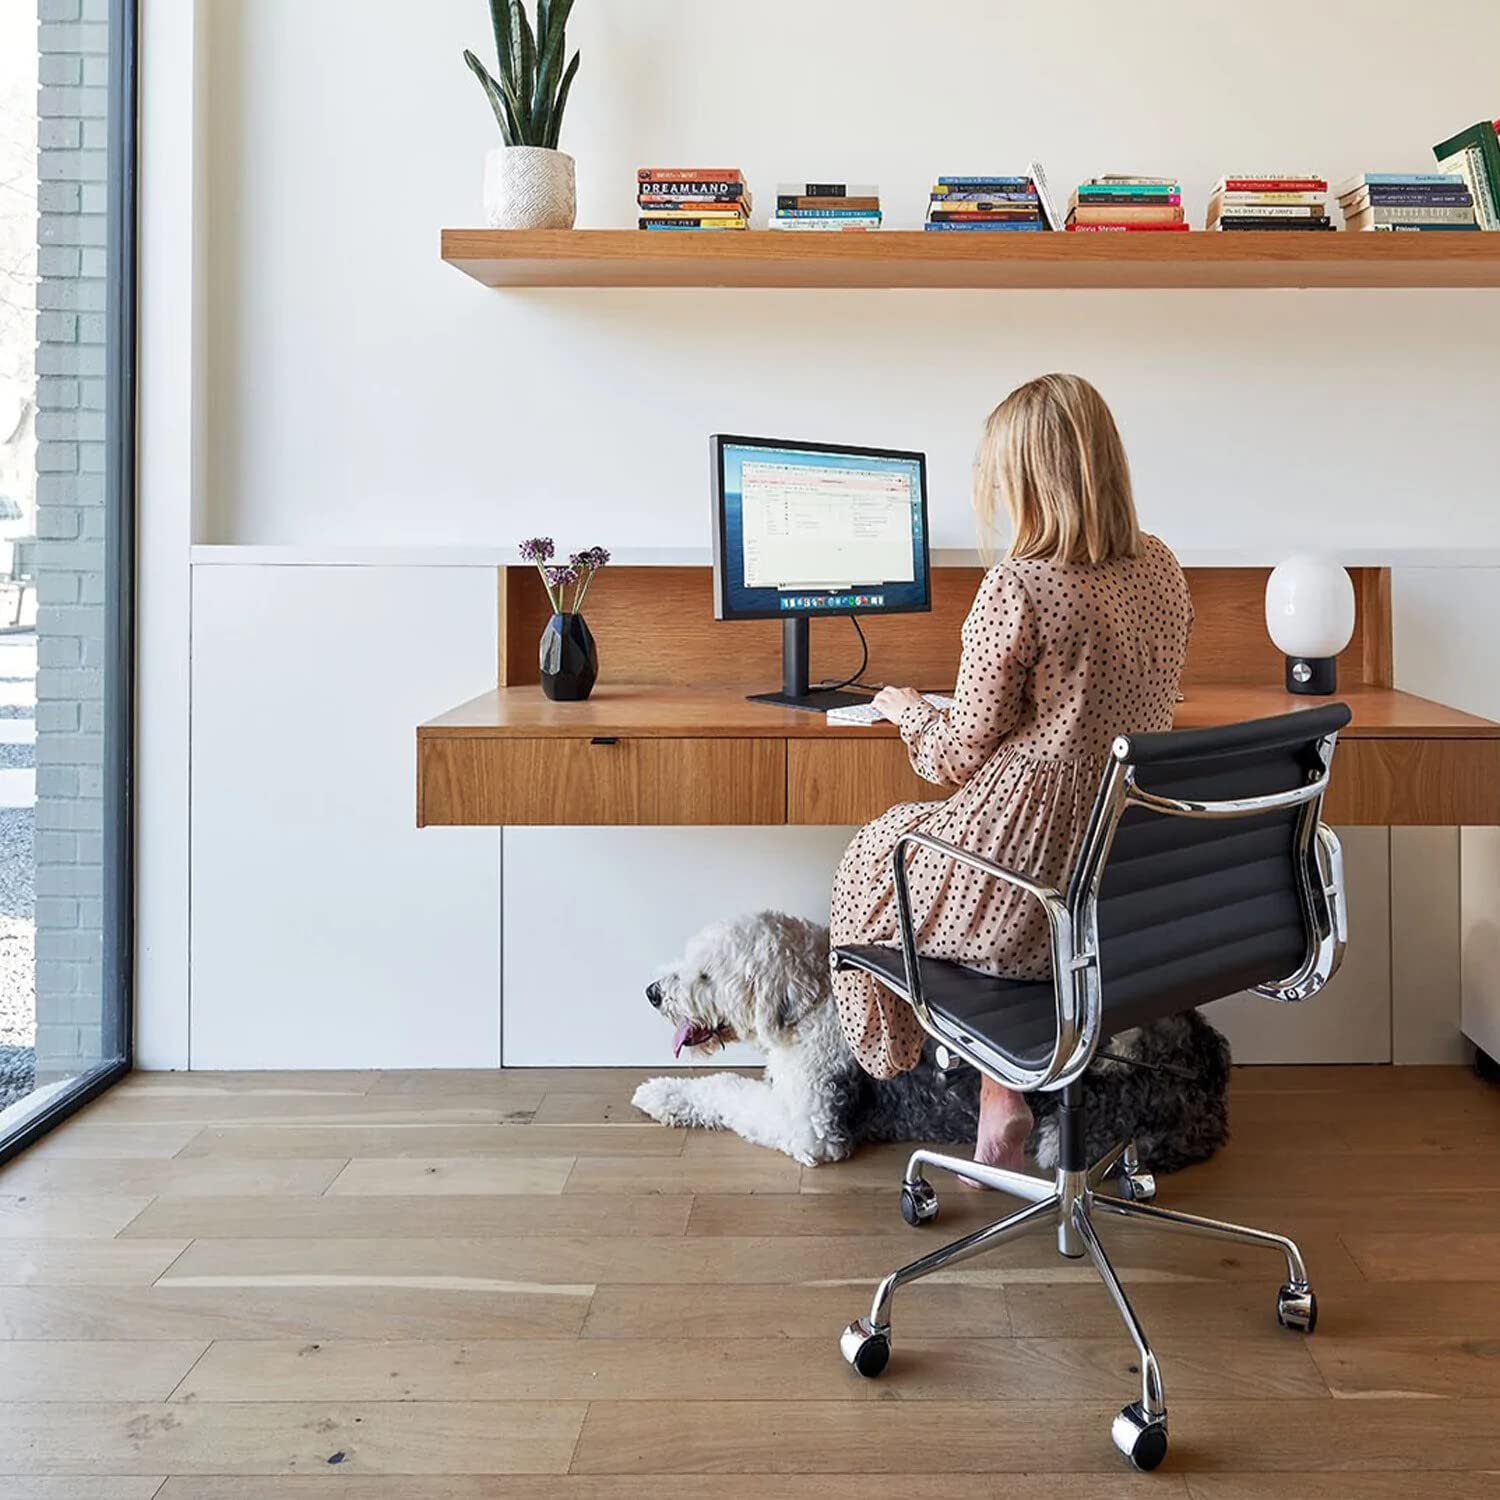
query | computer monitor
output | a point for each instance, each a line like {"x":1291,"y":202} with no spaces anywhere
{"x":809,"y":529}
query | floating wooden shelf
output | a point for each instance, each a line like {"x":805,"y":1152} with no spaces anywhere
{"x":916,"y":259}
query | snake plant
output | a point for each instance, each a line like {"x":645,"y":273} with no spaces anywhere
{"x":531,"y":92}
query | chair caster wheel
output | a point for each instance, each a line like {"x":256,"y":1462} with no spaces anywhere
{"x":1297,"y":1308}
{"x":1142,"y":1439}
{"x":919,"y":1202}
{"x":867,"y":1350}
{"x":1138,"y":1187}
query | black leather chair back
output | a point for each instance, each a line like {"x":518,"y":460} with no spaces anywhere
{"x":1193,"y":908}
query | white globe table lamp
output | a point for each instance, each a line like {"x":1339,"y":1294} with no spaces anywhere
{"x":1310,"y":617}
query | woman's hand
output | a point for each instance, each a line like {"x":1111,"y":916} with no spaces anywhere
{"x":892,"y":702}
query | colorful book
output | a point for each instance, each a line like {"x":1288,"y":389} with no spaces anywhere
{"x":676,"y":222}
{"x":1403,"y":214}
{"x":1475,"y":153}
{"x":1131,"y":177}
{"x":827,"y":213}
{"x":981,"y":197}
{"x":1282,"y":226}
{"x":983,"y":218}
{"x":1096,"y":197}
{"x":691,"y":174}
{"x":1125,"y":228}
{"x":1285,"y":182}
{"x":695,"y":213}
{"x":1127,"y":190}
{"x":693,"y":187}
{"x":1129,"y":217}
{"x":1012,"y":183}
{"x":826,"y":190}
{"x":1409,"y":228}
{"x":1044,"y":197}
{"x":1268,"y":198}
{"x":793,"y":201}
{"x":1399,"y":179}
{"x":660,"y":228}
{"x":1266,"y":211}
{"x":825,"y":226}
{"x":1018,"y":226}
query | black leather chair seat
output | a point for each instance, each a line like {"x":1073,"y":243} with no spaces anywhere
{"x":1020,"y":1019}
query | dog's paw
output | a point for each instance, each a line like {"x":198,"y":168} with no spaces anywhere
{"x":666,"y":1100}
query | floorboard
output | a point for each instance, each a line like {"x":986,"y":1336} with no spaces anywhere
{"x":509,"y":1286}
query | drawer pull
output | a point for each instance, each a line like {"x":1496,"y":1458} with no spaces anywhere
{"x":604,"y":740}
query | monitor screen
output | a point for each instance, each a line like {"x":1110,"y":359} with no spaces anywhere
{"x":809,"y":529}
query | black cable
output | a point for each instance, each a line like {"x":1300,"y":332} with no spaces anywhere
{"x":832,"y":687}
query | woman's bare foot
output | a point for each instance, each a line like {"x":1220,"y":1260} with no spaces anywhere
{"x":1004,"y":1123}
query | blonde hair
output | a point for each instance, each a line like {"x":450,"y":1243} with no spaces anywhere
{"x":1053,"y":451}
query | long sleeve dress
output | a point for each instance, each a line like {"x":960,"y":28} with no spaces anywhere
{"x":1057,"y":660}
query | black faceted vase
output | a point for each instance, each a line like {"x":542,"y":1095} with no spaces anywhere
{"x":570,"y":659}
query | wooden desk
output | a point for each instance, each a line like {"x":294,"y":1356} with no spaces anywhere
{"x":667,"y":755}
{"x":668,"y":737}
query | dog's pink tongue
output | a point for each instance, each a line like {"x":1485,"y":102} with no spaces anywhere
{"x":680,"y":1037}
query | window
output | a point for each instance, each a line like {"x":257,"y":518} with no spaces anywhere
{"x":67,"y":148}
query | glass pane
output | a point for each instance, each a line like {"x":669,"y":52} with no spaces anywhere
{"x":61,"y":1003}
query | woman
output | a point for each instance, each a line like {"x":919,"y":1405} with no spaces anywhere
{"x":1078,"y":636}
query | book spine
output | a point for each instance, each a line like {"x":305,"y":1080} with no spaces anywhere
{"x":1263,"y":211}
{"x":868,"y":205}
{"x":824,"y":226}
{"x":1388,"y":196}
{"x":1386,"y":214}
{"x":1469,"y":163}
{"x":1113,"y":190}
{"x":1279,"y":226}
{"x":692,"y":223}
{"x":706,"y":187}
{"x":1018,"y":227}
{"x":668,"y":200}
{"x":1273,"y":185}
{"x":694,"y":213}
{"x":1239,"y":197}
{"x":1022,"y":218}
{"x":1125,"y":228}
{"x":691,"y":174}
{"x":826,"y":190}
{"x":981,"y":197}
{"x":1405,"y":179}
{"x":1014,"y":183}
{"x":1104,"y":199}
{"x":827,"y":213}
{"x":1410,"y":228}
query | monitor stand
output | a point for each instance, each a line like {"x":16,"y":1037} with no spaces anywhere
{"x":795,"y":692}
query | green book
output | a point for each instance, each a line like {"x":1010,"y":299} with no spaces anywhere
{"x":1476,"y":153}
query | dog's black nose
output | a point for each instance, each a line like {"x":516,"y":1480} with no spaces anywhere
{"x":653,"y":993}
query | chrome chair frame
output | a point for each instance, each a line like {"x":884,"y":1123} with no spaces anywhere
{"x":1068,"y":1201}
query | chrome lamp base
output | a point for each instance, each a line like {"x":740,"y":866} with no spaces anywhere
{"x":1066,"y":1206}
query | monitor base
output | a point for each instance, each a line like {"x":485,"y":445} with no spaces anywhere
{"x":812,"y":702}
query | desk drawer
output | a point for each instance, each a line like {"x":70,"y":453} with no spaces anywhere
{"x":851,"y":781}
{"x":492,"y":782}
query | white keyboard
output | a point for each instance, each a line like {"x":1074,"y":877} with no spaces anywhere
{"x":865,"y":713}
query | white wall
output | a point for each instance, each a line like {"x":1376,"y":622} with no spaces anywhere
{"x":362,"y":391}
{"x":329,"y":382}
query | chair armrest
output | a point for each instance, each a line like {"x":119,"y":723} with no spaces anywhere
{"x":1074,"y":1042}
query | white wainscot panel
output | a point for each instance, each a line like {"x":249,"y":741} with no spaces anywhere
{"x":327,"y":932}
{"x":1350,"y":1022}
{"x":592,"y":915}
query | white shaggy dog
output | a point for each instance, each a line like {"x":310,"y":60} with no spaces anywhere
{"x":765,"y":980}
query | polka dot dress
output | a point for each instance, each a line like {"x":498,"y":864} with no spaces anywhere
{"x":1057,"y":661}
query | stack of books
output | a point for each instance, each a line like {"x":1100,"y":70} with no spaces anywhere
{"x":692,"y":198}
{"x":1407,"y":200}
{"x":985,"y":203}
{"x":1121,"y":201}
{"x":824,"y":206}
{"x":1270,"y":200}
{"x":1474,"y":154}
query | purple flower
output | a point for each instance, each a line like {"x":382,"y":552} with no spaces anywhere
{"x":590,"y":560}
{"x":561,"y":577}
{"x":538,"y":550}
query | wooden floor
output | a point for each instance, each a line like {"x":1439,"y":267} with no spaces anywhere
{"x":507,"y":1287}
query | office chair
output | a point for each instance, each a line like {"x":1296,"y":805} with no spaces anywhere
{"x":1204,"y":870}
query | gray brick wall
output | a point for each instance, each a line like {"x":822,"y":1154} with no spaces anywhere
{"x":73,"y":138}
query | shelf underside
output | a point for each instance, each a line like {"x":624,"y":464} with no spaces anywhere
{"x":915,"y":259}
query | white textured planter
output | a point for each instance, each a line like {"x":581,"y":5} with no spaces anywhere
{"x":529,"y":187}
